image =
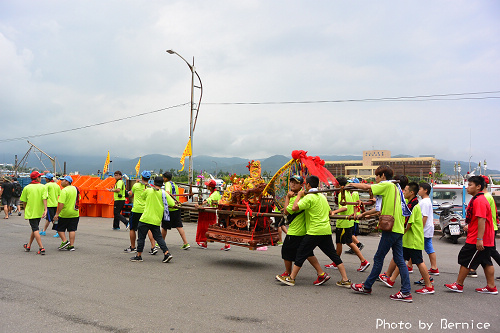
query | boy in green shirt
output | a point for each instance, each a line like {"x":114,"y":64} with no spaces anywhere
{"x":35,"y":197}
{"x":154,"y":211}
{"x":119,"y":197}
{"x":53,"y":191}
{"x":175,"y":213}
{"x":68,"y":214}
{"x":318,"y":232}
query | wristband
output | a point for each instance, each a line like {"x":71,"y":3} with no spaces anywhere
{"x":479,"y":239}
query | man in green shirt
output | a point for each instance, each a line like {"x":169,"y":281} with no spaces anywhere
{"x":53,"y":191}
{"x":35,"y":196}
{"x":318,"y":232}
{"x":119,"y":196}
{"x":391,"y":205}
{"x":175,"y":213}
{"x":68,"y":214}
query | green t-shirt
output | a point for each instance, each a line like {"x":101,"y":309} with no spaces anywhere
{"x":138,"y":189}
{"x":168,"y":188}
{"x":53,"y":191}
{"x":490,"y":199}
{"x":214,"y":198}
{"x":33,"y":195}
{"x":68,"y":198}
{"x":388,"y":190}
{"x":414,"y":237}
{"x":317,"y":212}
{"x":345,"y":224}
{"x":355,"y":197}
{"x":119,"y":184}
{"x":298,"y":226}
{"x":154,"y":208}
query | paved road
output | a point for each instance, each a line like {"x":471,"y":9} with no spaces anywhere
{"x":97,"y":289}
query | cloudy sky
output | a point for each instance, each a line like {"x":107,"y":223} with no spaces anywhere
{"x":69,"y":64}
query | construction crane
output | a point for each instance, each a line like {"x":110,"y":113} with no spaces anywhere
{"x":38,"y":153}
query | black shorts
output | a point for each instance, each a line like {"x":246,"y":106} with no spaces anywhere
{"x":175,"y":220}
{"x":134,"y":221}
{"x":6,"y":200}
{"x":67,"y":223}
{"x":310,"y":242}
{"x":290,"y":247}
{"x":414,"y":255}
{"x":471,"y":258}
{"x":355,"y":229}
{"x":343,"y":236}
{"x":51,"y":212}
{"x":34,"y":224}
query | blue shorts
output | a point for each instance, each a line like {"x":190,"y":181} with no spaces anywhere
{"x":428,"y":245}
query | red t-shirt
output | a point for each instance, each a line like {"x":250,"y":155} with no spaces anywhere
{"x":482,"y":209}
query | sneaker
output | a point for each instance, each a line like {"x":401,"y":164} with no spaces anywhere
{"x":382,"y":275}
{"x":70,"y":248}
{"x":386,"y":280}
{"x":332,"y":265}
{"x":455,"y":287}
{"x":185,"y":246}
{"x":364,"y":266}
{"x":487,"y":290}
{"x":425,"y":290}
{"x":282,"y":275}
{"x":497,"y":278}
{"x":64,"y":245}
{"x":402,"y":297}
{"x":226,"y":247}
{"x":202,"y":245}
{"x":279,"y":243}
{"x":345,"y":284}
{"x":410,"y":269}
{"x":286,"y":280}
{"x":153,"y":251}
{"x":421,"y":281}
{"x":360,"y":288}
{"x":360,"y":246}
{"x":130,"y":249}
{"x":43,"y":233}
{"x":350,"y":251}
{"x":26,"y":248}
{"x":116,"y":228}
{"x":136,"y":258}
{"x":19,"y":214}
{"x":321,"y":279}
{"x":433,"y":271}
{"x":41,"y":251}
{"x":472,"y":274}
{"x":167,"y":257}
{"x":56,"y":235}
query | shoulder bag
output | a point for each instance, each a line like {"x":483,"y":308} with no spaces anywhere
{"x":386,"y":222}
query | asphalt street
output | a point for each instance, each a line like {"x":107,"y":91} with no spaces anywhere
{"x":97,"y":289}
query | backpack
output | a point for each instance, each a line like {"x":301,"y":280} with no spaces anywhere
{"x":18,"y":190}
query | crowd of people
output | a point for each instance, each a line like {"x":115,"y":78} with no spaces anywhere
{"x":406,"y":223}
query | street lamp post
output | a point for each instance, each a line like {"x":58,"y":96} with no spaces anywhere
{"x":192,"y":122}
{"x":215,"y":169}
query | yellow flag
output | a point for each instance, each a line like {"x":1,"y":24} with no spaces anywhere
{"x":138,"y":167}
{"x":106,"y":164}
{"x":187,"y":152}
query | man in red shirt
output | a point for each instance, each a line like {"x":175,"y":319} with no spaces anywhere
{"x":480,"y":240}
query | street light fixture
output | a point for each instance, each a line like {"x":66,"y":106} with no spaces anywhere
{"x":215,"y":168}
{"x":193,"y":107}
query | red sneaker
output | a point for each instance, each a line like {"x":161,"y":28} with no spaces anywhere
{"x":402,"y":297}
{"x":455,"y":287}
{"x":425,"y":290}
{"x":487,"y":290}
{"x":332,"y":265}
{"x":321,"y":279}
{"x":381,"y":275}
{"x":203,"y":245}
{"x":385,"y":279}
{"x":360,"y":288}
{"x":226,"y":247}
{"x":410,"y":269}
{"x":433,"y":271}
{"x":364,"y":266}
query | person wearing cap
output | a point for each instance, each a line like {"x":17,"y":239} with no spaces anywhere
{"x":206,"y":218}
{"x":34,"y":196}
{"x":68,"y":214}
{"x":156,"y":207}
{"x":53,"y":191}
{"x":296,"y":233}
{"x":119,"y":197}
{"x":137,"y":209}
{"x":175,"y":213}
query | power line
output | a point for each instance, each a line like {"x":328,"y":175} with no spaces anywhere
{"x":416,"y":98}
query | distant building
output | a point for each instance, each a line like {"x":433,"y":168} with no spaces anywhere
{"x":372,"y":159}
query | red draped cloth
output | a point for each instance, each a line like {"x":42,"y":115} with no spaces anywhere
{"x":205,"y":219}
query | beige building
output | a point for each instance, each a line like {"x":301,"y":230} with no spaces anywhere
{"x":372,"y":159}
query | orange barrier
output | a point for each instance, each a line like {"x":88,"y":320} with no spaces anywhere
{"x":182,"y":199}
